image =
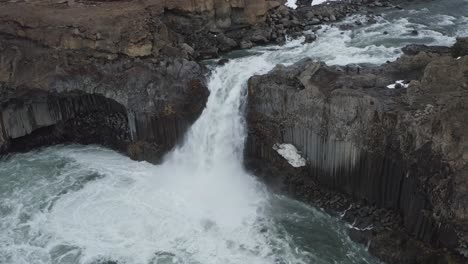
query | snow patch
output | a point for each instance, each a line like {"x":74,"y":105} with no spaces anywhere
{"x":291,"y":154}
{"x":318,"y":2}
{"x":291,"y":4}
{"x":400,"y":82}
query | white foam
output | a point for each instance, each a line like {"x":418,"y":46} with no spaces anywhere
{"x":444,"y":20}
{"x":291,"y":154}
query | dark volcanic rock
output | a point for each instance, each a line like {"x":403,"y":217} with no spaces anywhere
{"x":461,"y":47}
{"x":414,"y":49}
{"x":148,"y":103}
{"x":34,"y":118}
{"x":309,"y":38}
{"x":118,"y":73}
{"x":400,"y":149}
{"x":222,"y":61}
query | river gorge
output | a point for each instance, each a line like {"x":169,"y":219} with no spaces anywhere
{"x":128,"y":157}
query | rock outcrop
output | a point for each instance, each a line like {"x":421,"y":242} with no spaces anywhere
{"x":396,"y":159}
{"x":133,"y":28}
{"x":155,"y":99}
{"x":93,"y":72}
{"x":118,"y":73}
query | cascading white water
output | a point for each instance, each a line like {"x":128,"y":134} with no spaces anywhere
{"x":199,"y":206}
{"x":89,"y":205}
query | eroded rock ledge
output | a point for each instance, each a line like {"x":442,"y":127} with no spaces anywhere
{"x":155,"y":99}
{"x":395,"y":160}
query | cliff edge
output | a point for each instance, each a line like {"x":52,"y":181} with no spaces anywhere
{"x":387,"y":145}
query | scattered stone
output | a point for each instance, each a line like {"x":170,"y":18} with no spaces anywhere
{"x":245,"y":44}
{"x":222,"y":61}
{"x":460,"y":48}
{"x":314,"y":21}
{"x":225,"y":43}
{"x":280,"y":40}
{"x":258,"y":37}
{"x":209,"y":53}
{"x":273,"y":4}
{"x":283,"y":11}
{"x":309,"y":38}
{"x":371,"y":21}
{"x":188,"y":49}
{"x":346,"y":27}
{"x":414,"y":49}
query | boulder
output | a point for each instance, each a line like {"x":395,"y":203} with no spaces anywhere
{"x":225,"y":43}
{"x":309,"y":38}
{"x":414,"y":49}
{"x":209,"y":53}
{"x":460,"y":48}
{"x":245,"y":44}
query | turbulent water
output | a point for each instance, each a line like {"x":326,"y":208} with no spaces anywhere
{"x":87,"y":204}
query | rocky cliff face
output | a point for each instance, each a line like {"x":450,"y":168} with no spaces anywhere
{"x":109,"y":74}
{"x":134,"y":28}
{"x":155,"y":99}
{"x":395,"y":158}
{"x":118,"y":73}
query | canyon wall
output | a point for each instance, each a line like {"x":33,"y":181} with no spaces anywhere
{"x":118,"y":73}
{"x":401,"y":149}
{"x":157,"y":98}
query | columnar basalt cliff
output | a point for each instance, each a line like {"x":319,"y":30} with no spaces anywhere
{"x":118,"y":73}
{"x":395,"y":160}
{"x":139,"y":55}
{"x":155,"y":99}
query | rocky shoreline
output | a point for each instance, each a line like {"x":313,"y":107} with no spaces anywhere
{"x":126,"y":75}
{"x":392,"y":161}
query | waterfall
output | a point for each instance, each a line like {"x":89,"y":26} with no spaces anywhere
{"x":88,"y":205}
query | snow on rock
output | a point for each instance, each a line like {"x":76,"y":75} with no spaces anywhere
{"x":400,"y":82}
{"x":291,"y":4}
{"x":291,"y":154}
{"x":318,"y":2}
